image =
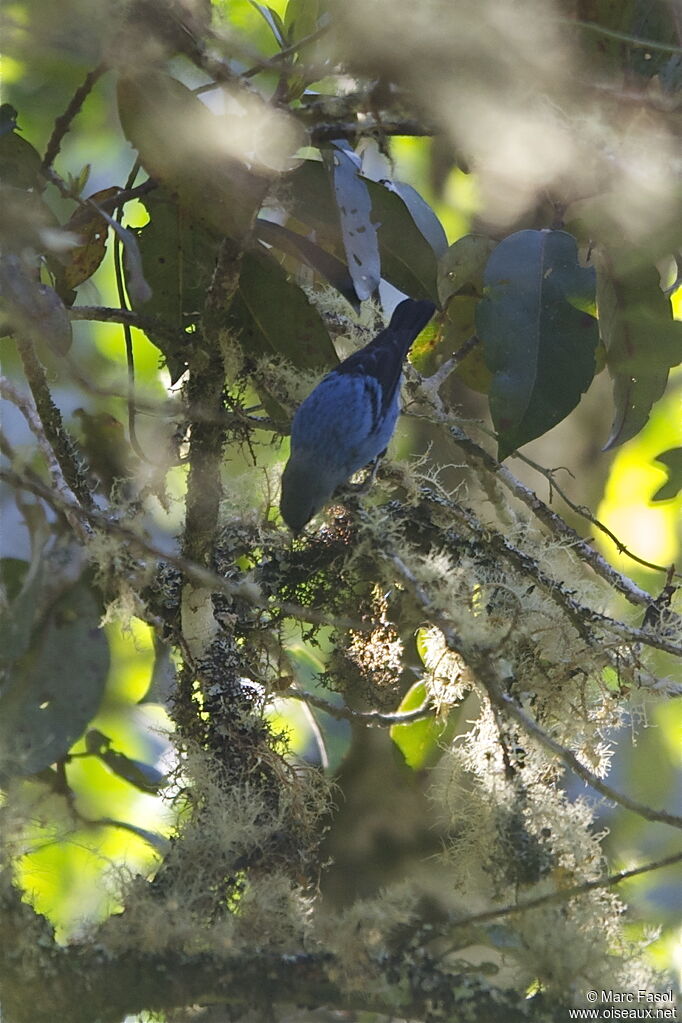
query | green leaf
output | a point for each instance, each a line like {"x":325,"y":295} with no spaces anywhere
{"x":672,"y":460}
{"x":300,"y":19}
{"x":183,"y":145}
{"x":326,"y":264}
{"x":178,"y":256}
{"x":56,"y":689}
{"x":423,"y":216}
{"x":311,"y":200}
{"x":538,"y":343}
{"x":354,"y":205}
{"x":273,"y":315}
{"x":641,"y":337}
{"x":420,"y":742}
{"x":20,"y":163}
{"x":273,"y":21}
{"x":408,"y":260}
{"x":462,"y":266}
{"x":22,"y":584}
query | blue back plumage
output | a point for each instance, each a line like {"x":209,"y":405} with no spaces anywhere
{"x":349,"y":418}
{"x":382,"y":359}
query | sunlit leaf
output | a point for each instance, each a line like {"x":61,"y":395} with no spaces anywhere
{"x":538,"y":345}
{"x":300,"y":19}
{"x":273,"y":20}
{"x":420,"y":742}
{"x":355,"y":209}
{"x":672,"y":460}
{"x":56,"y":689}
{"x":641,"y":337}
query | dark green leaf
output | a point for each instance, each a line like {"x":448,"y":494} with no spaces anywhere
{"x":641,"y":337}
{"x":311,"y":201}
{"x":326,"y":264}
{"x":672,"y":460}
{"x":20,"y":163}
{"x":8,"y":118}
{"x":179,"y":141}
{"x":273,"y":315}
{"x":408,"y":260}
{"x":56,"y":689}
{"x":22,"y":584}
{"x":539,"y":342}
{"x":355,"y":208}
{"x":422,"y":214}
{"x":178,"y":256}
{"x":462,"y":266}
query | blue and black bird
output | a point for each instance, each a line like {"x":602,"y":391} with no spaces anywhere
{"x":347,"y":421}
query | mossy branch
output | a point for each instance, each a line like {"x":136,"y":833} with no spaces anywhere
{"x":87,"y":983}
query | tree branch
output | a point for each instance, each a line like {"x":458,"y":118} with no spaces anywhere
{"x":481,"y":664}
{"x":53,"y":427}
{"x":63,"y":122}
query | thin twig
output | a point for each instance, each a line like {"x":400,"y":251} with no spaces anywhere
{"x":585,"y":513}
{"x":623,"y":37}
{"x":373,"y":718}
{"x":579,"y":615}
{"x":480,"y":663}
{"x":572,"y":762}
{"x":53,"y":427}
{"x":195,"y":573}
{"x":272,"y":63}
{"x":63,"y":122}
{"x":564,"y":894}
{"x":552,"y":520}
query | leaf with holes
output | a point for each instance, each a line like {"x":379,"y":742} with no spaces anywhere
{"x":84,"y":259}
{"x":355,"y":208}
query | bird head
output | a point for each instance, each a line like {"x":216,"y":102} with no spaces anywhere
{"x":306,"y":488}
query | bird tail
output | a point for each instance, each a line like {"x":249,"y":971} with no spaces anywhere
{"x":409,"y":318}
